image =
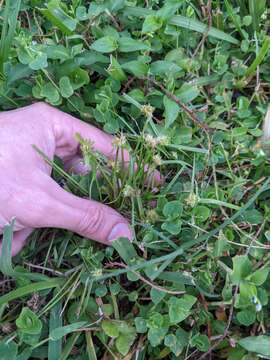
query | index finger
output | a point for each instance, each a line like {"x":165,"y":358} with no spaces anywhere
{"x":65,"y":127}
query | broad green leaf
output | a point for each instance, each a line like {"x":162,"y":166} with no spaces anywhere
{"x":96,"y":9}
{"x":110,"y":328}
{"x":151,"y":24}
{"x":141,"y":325}
{"x":57,"y":52}
{"x":59,"y":17}
{"x":17,"y":72}
{"x":246,"y":317}
{"x":66,"y":88}
{"x":183,"y":135}
{"x":162,"y":67}
{"x":78,"y":78}
{"x":125,"y":249}
{"x":115,"y":70}
{"x":201,"y":213}
{"x":8,"y":350}
{"x":173,"y":209}
{"x":128,"y":44}
{"x":177,"y":342}
{"x":155,"y":336}
{"x":169,"y":9}
{"x":155,"y":320}
{"x":135,"y":67}
{"x":173,"y":226}
{"x":50,"y":92}
{"x":259,"y":276}
{"x":241,"y":268}
{"x":171,"y":342}
{"x":101,"y":290}
{"x":248,"y":291}
{"x":28,"y":322}
{"x":157,"y":295}
{"x":24,"y":355}
{"x":257,"y":344}
{"x":39,"y":62}
{"x":126,"y":338}
{"x":105,"y":44}
{"x":179,"y":308}
{"x":252,"y":216}
{"x":81,"y":13}
{"x":201,"y":342}
{"x":187,"y":93}
{"x":91,"y":57}
{"x":171,"y":111}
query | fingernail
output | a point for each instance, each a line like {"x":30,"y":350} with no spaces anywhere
{"x":120,"y":230}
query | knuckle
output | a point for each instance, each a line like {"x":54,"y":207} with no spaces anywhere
{"x":91,"y":222}
{"x":41,"y":105}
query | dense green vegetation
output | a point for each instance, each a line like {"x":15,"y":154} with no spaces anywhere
{"x":184,"y":85}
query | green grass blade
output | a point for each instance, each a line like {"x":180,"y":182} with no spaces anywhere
{"x":200,"y":27}
{"x":234,"y":18}
{"x":259,"y":58}
{"x":8,"y":29}
{"x":5,"y":258}
{"x":69,"y":346}
{"x":256,"y":9}
{"x":29,"y":289}
{"x":55,"y":346}
{"x":187,"y":148}
{"x":58,"y":333}
{"x":184,"y":22}
{"x":219,"y":203}
{"x":90,"y":346}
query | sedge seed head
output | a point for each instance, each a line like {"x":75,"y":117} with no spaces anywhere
{"x":157,"y":160}
{"x":147,"y":110}
{"x":152,"y":216}
{"x":120,"y":141}
{"x":129,"y":191}
{"x":150,"y":141}
{"x":192,"y":199}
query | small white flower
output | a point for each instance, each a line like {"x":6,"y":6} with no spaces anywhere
{"x":258,"y":307}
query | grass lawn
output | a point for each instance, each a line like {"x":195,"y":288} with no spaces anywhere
{"x":184,"y":86}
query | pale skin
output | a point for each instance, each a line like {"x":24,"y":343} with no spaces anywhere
{"x":27,"y":191}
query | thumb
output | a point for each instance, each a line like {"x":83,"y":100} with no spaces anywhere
{"x":85,"y":217}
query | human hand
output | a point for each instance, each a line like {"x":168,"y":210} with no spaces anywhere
{"x":28,"y":193}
